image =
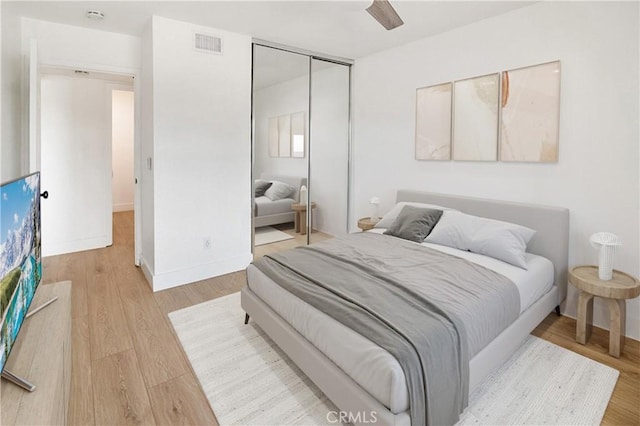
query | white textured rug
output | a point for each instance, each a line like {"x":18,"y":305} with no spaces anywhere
{"x":269,"y":234}
{"x":543,"y":383}
{"x":249,"y":381}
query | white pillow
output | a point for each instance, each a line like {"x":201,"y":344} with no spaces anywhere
{"x":391,"y":216}
{"x":501,"y":240}
{"x":279,"y":190}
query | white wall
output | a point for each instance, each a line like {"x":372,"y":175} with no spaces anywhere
{"x":1,"y":98}
{"x":11,"y":165}
{"x":596,"y":176}
{"x":66,"y":45}
{"x":202,"y":151}
{"x":122,"y":131}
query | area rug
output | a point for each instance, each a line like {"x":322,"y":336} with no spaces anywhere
{"x":268,"y":235}
{"x":248,"y":380}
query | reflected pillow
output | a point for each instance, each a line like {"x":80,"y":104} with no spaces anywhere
{"x":392,"y":214}
{"x":414,"y":223}
{"x":261,"y":186}
{"x":279,"y":190}
{"x":501,"y":240}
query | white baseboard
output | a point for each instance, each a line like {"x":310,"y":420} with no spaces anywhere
{"x":76,"y":246}
{"x":146,"y":271}
{"x":197,"y":273}
{"x":123,"y":207}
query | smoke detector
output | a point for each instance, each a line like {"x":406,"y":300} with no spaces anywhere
{"x":95,"y":14}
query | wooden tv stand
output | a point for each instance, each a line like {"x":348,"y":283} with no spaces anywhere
{"x":42,"y":355}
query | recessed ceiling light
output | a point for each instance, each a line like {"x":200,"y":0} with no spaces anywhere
{"x":95,"y":14}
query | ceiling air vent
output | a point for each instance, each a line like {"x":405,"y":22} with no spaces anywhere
{"x":208,"y":43}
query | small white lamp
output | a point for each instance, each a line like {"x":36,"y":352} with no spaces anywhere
{"x":607,"y":244}
{"x":375,"y":202}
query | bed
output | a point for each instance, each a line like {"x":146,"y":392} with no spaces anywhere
{"x":274,"y":311}
{"x":268,"y":212}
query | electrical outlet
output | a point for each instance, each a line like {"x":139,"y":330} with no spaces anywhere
{"x":206,"y":243}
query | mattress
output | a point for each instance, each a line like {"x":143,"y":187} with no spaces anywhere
{"x":372,"y":367}
{"x":532,"y":283}
{"x":265,"y":207}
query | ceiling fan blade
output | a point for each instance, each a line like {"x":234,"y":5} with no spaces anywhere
{"x":384,"y":13}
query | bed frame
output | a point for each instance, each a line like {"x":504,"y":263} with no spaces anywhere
{"x":275,"y":219}
{"x":551,"y":241}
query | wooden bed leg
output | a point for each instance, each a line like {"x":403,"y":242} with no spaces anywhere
{"x":557,"y":311}
{"x":246,"y":318}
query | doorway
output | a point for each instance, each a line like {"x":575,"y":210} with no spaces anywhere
{"x":86,"y":121}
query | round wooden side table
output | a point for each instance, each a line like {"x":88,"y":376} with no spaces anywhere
{"x":300,"y":218}
{"x":616,"y":290}
{"x":365,"y":223}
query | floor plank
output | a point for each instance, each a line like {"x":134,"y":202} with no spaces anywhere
{"x":156,"y":346}
{"x":109,"y":332}
{"x":81,"y":405}
{"x":173,"y":299}
{"x":121,"y":398}
{"x":75,"y":270}
{"x":181,"y":402}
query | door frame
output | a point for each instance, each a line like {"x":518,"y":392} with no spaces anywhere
{"x":33,"y":154}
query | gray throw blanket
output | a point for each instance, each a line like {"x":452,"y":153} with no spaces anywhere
{"x":430,"y":310}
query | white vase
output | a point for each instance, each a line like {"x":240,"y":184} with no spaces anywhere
{"x":303,"y":195}
{"x":374,"y":213}
{"x":605,"y":262}
{"x":607,"y":244}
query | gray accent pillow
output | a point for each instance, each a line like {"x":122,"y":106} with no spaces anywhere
{"x":261,"y":187}
{"x":414,"y":223}
{"x":279,"y":190}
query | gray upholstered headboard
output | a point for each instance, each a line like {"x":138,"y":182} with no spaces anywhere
{"x":295,"y":181}
{"x":550,"y":223}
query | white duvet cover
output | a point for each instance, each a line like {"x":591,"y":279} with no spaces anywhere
{"x":372,"y":367}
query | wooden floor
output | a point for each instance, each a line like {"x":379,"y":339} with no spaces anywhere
{"x":297,"y":240}
{"x":128,"y":367}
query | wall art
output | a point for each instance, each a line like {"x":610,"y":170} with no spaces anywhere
{"x":530,"y":103}
{"x":433,"y":122}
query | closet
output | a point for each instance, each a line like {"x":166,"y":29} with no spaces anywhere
{"x":301,"y":131}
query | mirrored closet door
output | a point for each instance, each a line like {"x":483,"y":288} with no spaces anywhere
{"x":329,"y":149}
{"x":300,"y":148}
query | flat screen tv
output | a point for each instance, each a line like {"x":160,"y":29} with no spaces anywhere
{"x":20,"y":258}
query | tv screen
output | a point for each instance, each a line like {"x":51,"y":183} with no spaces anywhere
{"x":20,"y":259}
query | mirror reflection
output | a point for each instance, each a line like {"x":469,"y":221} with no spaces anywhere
{"x":287,"y":135}
{"x":292,"y":207}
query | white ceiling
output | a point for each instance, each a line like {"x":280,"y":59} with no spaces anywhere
{"x":337,"y":28}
